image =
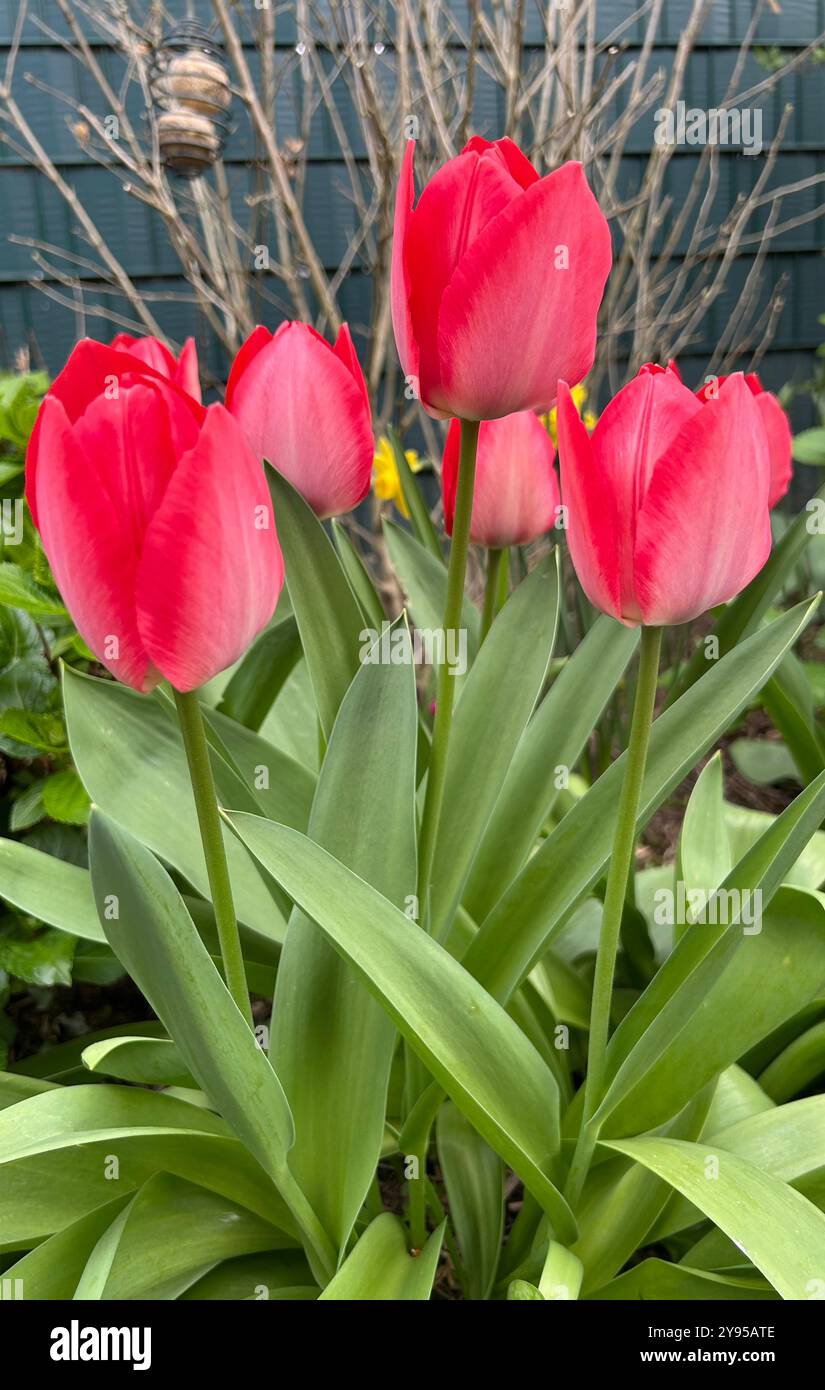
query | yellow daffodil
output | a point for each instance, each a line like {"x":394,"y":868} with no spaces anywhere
{"x":579,"y":394}
{"x":386,"y":481}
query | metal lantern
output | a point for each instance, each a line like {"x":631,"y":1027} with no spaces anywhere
{"x":191,"y":95}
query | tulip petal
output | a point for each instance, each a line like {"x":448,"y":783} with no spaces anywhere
{"x":508,"y":151}
{"x":92,"y":549}
{"x":344,"y":350}
{"x":402,"y":324}
{"x":301,"y":408}
{"x":520,"y":311}
{"x":704,"y":527}
{"x":186,"y":375}
{"x":780,"y":444}
{"x":258,"y":339}
{"x":592,"y":517}
{"x":211,"y":569}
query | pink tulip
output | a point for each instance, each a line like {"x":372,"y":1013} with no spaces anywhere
{"x":516,"y":493}
{"x":667,"y":501}
{"x":182,"y":370}
{"x":155,"y":518}
{"x":776,"y":425}
{"x":497,"y":277}
{"x":303,"y":406}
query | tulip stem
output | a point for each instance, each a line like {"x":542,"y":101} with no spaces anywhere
{"x":491,"y":590}
{"x":621,"y":863}
{"x":437,"y":771}
{"x":214,"y":850}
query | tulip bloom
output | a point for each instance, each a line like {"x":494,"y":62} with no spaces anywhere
{"x":516,"y":493}
{"x":497,"y":277}
{"x":776,"y":425}
{"x":182,"y":370}
{"x":155,"y":518}
{"x":668,"y":499}
{"x":303,"y":406}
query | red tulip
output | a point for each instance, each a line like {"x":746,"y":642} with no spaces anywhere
{"x":182,"y":370}
{"x":304,"y":407}
{"x":516,"y":493}
{"x":776,"y":425}
{"x":667,"y":501}
{"x":156,"y":520}
{"x":497,"y":277}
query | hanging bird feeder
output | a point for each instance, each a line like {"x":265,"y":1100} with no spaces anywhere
{"x":190,"y":90}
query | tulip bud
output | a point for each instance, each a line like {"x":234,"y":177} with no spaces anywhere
{"x":516,"y":494}
{"x":303,"y":406}
{"x":667,"y":500}
{"x":156,"y":520}
{"x":497,"y":277}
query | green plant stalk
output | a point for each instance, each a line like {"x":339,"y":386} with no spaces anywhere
{"x":437,"y":771}
{"x":488,"y":613}
{"x":214,"y":851}
{"x":621,"y":863}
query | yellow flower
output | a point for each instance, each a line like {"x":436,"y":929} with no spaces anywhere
{"x":386,"y":481}
{"x":579,"y":394}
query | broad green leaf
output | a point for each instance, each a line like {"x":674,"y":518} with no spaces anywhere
{"x":561,"y":1277}
{"x":259,"y":677}
{"x":745,"y":827}
{"x":14,"y":1087}
{"x":788,"y":700}
{"x":56,"y":1152}
{"x":809,"y":446}
{"x":474,"y":1178}
{"x":52,"y":1270}
{"x":150,"y":931}
{"x":65,"y":798}
{"x":292,"y":723}
{"x":763,"y":761}
{"x":744,"y":987}
{"x":381,"y":1268}
{"x":658,"y":1280}
{"x":326,"y":610}
{"x":41,"y":957}
{"x":423,"y":578}
{"x":171,"y":1233}
{"x":332,"y":1043}
{"x":278,"y":1275}
{"x":468,"y":1043}
{"x":704,"y":852}
{"x":148,"y":1061}
{"x":550,"y":747}
{"x":44,"y":730}
{"x":18,"y":590}
{"x":359,"y":577}
{"x":128,"y":751}
{"x":495,"y":704}
{"x":575,"y":855}
{"x":779,"y":1230}
{"x":282,"y":787}
{"x":64,"y":1061}
{"x":797,"y":1066}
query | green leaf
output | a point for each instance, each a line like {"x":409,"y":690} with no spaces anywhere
{"x":575,"y":855}
{"x":763,"y":761}
{"x":424,"y":580}
{"x":128,"y":751}
{"x":498,"y":696}
{"x":779,"y":1230}
{"x":552,"y":744}
{"x":278,"y":1275}
{"x":326,"y":610}
{"x":260,"y":676}
{"x":56,"y":1150}
{"x":171,"y":1233}
{"x":150,"y":931}
{"x":740,"y":990}
{"x":28,"y":808}
{"x":44,"y":731}
{"x":41,"y":957}
{"x":809,"y":447}
{"x":148,"y":1061}
{"x":474,"y":1178}
{"x":18,"y":590}
{"x":796,"y":1066}
{"x":789,"y":702}
{"x":49,"y":889}
{"x":65,"y":798}
{"x":332,"y":1043}
{"x":657,"y":1280}
{"x":704,"y":852}
{"x":359,"y":577}
{"x":52,"y":1270}
{"x":382,"y":1269}
{"x":471,"y":1047}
